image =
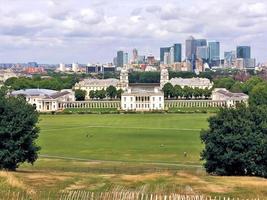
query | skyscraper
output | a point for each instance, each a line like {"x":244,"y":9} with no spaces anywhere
{"x":191,"y":48}
{"x":163,"y":50}
{"x":120,"y":56}
{"x":229,"y":58}
{"x":125,"y":58}
{"x":203,"y":53}
{"x":214,"y":51}
{"x":243,"y":52}
{"x":177,"y":52}
{"x":135,"y":55}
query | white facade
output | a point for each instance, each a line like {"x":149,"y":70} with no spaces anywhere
{"x":142,"y":99}
{"x":102,"y":84}
{"x":45,"y":100}
{"x":222,"y":94}
{"x":62,"y":67}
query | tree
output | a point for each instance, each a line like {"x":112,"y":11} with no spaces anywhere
{"x":18,"y":132}
{"x":236,"y":142}
{"x":250,"y":84}
{"x":119,"y":93}
{"x":207,"y":93}
{"x":100,"y":94}
{"x":168,"y":90}
{"x":224,"y":83}
{"x":80,"y":95}
{"x":178,"y":91}
{"x":258,"y":95}
{"x":111,"y":92}
{"x":92,"y":94}
{"x":237,"y":87}
{"x":188,"y":92}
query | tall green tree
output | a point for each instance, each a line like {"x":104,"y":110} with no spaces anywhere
{"x":18,"y":132}
{"x":92,"y":94}
{"x":178,"y":91}
{"x":236,"y":142}
{"x":119,"y":93}
{"x":111,"y":92}
{"x":80,"y":95}
{"x":168,"y":90}
{"x":258,"y":95}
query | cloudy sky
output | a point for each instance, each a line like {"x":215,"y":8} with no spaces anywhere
{"x":53,"y":31}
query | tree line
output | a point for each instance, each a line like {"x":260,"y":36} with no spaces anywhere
{"x":186,"y":92}
{"x":111,"y":92}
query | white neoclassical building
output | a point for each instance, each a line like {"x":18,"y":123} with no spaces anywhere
{"x":231,"y":99}
{"x":46,"y":100}
{"x":142,"y":97}
{"x":201,"y":83}
{"x":102,"y":84}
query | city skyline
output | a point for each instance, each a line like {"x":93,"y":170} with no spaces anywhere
{"x":55,"y":31}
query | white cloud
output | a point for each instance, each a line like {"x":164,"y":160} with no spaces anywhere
{"x":120,"y":23}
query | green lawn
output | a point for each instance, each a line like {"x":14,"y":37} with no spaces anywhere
{"x":132,"y":137}
{"x":148,"y":150}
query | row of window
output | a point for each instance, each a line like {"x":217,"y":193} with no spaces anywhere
{"x":142,"y":99}
{"x":142,"y":106}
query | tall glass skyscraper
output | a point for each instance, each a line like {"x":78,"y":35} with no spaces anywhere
{"x":177,"y":52}
{"x":214,"y":51}
{"x":163,"y":50}
{"x":203,"y":53}
{"x":120,"y":58}
{"x":243,"y":52}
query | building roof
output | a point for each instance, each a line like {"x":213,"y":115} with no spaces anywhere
{"x":47,"y":94}
{"x":99,"y":82}
{"x":190,"y":82}
{"x":143,"y":90}
{"x":34,"y":92}
{"x":231,"y":95}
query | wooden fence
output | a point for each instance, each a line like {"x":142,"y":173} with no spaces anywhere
{"x":84,"y":195}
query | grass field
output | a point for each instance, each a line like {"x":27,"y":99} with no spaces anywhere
{"x":147,"y":137}
{"x":133,"y":152}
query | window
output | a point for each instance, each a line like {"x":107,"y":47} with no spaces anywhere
{"x":131,"y":106}
{"x":153,"y":98}
{"x":159,"y":105}
{"x":131,"y":98}
{"x":159,"y":98}
{"x":124,"y":106}
{"x":124,"y":98}
{"x":153,"y":105}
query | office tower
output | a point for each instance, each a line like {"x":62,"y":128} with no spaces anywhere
{"x":243,"y":52}
{"x":177,"y":52}
{"x":190,"y":46}
{"x":120,"y":56}
{"x":135,"y":55}
{"x":229,"y":58}
{"x":214,"y":52}
{"x":203,"y":53}
{"x":166,"y":59}
{"x":163,"y":50}
{"x":125,"y":58}
{"x":201,"y":42}
{"x":171,"y":55}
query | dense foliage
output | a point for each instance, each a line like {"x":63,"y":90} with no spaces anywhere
{"x":187,"y":92}
{"x":80,"y":95}
{"x":53,"y":83}
{"x":18,"y":132}
{"x":236,"y":142}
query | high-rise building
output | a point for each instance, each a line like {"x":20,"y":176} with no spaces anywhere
{"x":167,"y":59}
{"x":171,"y":55}
{"x":120,"y":58}
{"x":125,"y":58}
{"x":177,"y":52}
{"x":135,"y":56}
{"x":214,"y":51}
{"x":243,"y":52}
{"x":163,"y":50}
{"x":62,"y":67}
{"x":203,"y":53}
{"x":229,"y":58}
{"x":75,"y":67}
{"x":191,"y":48}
